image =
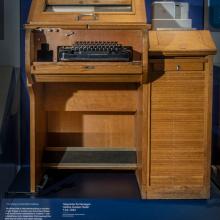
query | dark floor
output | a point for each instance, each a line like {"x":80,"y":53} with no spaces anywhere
{"x":112,"y":195}
{"x":84,"y":185}
{"x":81,"y":184}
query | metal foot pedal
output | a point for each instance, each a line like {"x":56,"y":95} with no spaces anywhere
{"x":43,"y":185}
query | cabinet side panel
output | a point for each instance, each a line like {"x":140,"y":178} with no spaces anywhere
{"x":37,"y":134}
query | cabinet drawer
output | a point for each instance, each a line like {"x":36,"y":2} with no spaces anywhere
{"x":178,"y":65}
{"x":99,"y":68}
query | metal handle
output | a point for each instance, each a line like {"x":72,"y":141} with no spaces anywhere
{"x":178,"y":67}
{"x":44,"y":183}
{"x":89,"y":67}
{"x":94,"y":16}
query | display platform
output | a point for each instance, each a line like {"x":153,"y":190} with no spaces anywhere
{"x":74,"y":189}
{"x":80,"y":207}
{"x":78,"y":184}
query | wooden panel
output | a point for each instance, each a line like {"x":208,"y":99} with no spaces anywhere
{"x":92,"y":149}
{"x":142,"y":134}
{"x":180,"y":180}
{"x":87,"y":2}
{"x":178,"y":130}
{"x":208,"y":125}
{"x":178,"y":65}
{"x":176,"y":192}
{"x":48,"y":78}
{"x":38,"y":16}
{"x":86,"y":129}
{"x":90,"y":97}
{"x":73,"y":166}
{"x":38,"y":131}
{"x":181,"y":43}
{"x":72,"y":68}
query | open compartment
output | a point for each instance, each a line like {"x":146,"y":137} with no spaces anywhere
{"x":89,"y":126}
{"x":45,"y":65}
{"x":47,"y":40}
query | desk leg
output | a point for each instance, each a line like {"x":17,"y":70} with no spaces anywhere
{"x":143,"y":137}
{"x":37,"y":134}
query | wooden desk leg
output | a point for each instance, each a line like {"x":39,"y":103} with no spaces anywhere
{"x":142,"y":140}
{"x":37,"y":134}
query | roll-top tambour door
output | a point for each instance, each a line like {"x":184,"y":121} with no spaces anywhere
{"x":177,"y":128}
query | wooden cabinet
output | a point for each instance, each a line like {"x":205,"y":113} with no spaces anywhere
{"x":152,"y":116}
{"x":179,"y":147}
{"x":180,"y":124}
{"x":85,"y":115}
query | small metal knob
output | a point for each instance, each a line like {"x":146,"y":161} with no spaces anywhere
{"x":178,"y":67}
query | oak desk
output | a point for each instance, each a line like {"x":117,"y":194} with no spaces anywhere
{"x":151,"y":116}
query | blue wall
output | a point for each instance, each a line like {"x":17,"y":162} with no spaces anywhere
{"x":214,"y":14}
{"x":25,"y":137}
{"x":196,"y":13}
{"x":1,"y":20}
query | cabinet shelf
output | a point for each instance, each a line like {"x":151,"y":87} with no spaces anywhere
{"x":90,"y":158}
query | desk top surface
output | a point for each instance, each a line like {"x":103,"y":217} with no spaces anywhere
{"x":181,"y":43}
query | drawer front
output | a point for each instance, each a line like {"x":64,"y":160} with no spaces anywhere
{"x":101,"y":68}
{"x":178,"y":65}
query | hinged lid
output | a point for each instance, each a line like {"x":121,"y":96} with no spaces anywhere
{"x":87,"y":12}
{"x":169,"y":43}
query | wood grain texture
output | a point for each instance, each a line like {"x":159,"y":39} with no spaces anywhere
{"x":109,"y":26}
{"x":181,"y":110}
{"x":161,"y":107}
{"x":196,"y":64}
{"x":87,"y":129}
{"x":181,"y":43}
{"x":90,"y":97}
{"x":145,"y":56}
{"x":29,"y":56}
{"x":176,"y":192}
{"x":71,"y":68}
{"x":38,"y":120}
{"x":143,"y":136}
{"x":90,"y":166}
{"x":208,"y":125}
{"x":179,"y":131}
{"x":88,"y":78}
{"x":39,"y":17}
{"x":81,"y":104}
